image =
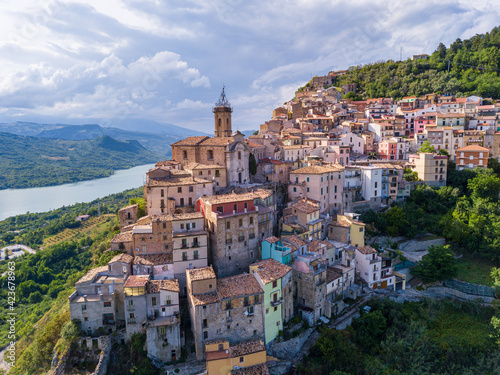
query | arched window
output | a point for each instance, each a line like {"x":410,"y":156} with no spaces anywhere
{"x":220,"y":121}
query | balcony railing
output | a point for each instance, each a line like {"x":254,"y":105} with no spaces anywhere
{"x":184,"y":246}
{"x":276,"y":303}
{"x":195,"y":244}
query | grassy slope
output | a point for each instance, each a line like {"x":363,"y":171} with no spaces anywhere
{"x":31,"y":161}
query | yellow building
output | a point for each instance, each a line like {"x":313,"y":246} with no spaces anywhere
{"x":223,"y":359}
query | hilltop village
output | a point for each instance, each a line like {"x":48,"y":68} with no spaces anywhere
{"x":254,"y":232}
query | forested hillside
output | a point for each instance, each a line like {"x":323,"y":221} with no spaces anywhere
{"x":466,"y":67}
{"x":45,"y":280}
{"x":32,"y":162}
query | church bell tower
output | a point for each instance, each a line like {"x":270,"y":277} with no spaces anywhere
{"x":222,"y":116}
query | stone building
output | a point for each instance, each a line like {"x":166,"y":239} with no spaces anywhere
{"x":128,"y":215}
{"x":163,"y":335}
{"x":190,"y":245}
{"x":152,"y":236}
{"x":309,"y":277}
{"x":229,"y":308}
{"x":226,"y":149}
{"x":321,"y":183}
{"x":97,"y":301}
{"x":169,"y":191}
{"x":232,"y":223}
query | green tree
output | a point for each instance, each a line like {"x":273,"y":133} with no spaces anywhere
{"x":437,"y":264}
{"x":409,"y":175}
{"x":256,"y":132}
{"x":252,"y":164}
{"x":427,"y":147}
{"x":484,"y":186}
{"x":141,"y":202}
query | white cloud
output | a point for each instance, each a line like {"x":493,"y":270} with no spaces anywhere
{"x":167,"y":61}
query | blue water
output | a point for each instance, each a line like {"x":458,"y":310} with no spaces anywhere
{"x":19,"y":201}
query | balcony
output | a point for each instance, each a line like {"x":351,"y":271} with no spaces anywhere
{"x":184,"y":258}
{"x":277,"y":302}
{"x":130,"y":308}
{"x":184,"y":246}
{"x":195,"y":244}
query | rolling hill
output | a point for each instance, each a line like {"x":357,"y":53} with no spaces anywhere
{"x":34,"y":162}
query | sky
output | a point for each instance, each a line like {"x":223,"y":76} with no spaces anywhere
{"x":106,"y":61}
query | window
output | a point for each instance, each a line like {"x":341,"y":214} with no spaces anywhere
{"x":217,"y":173}
{"x":240,"y":222}
{"x":195,"y":255}
{"x":179,"y":189}
{"x":294,"y":189}
{"x":184,"y":256}
{"x":84,"y":307}
{"x":210,"y":155}
{"x":168,"y":300}
{"x":275,"y":283}
{"x":205,"y":323}
{"x":85,"y":319}
{"x":162,"y":193}
{"x":307,"y":179}
{"x":256,"y":299}
{"x":228,"y":225}
{"x":228,"y":304}
{"x":241,"y":359}
{"x":191,"y":189}
{"x":205,"y":335}
{"x":153,"y":301}
{"x":130,"y":302}
{"x":162,"y":330}
{"x":239,"y":155}
{"x":185,"y":154}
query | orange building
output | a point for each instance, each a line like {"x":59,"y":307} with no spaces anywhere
{"x":472,"y":156}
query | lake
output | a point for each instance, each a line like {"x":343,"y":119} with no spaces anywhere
{"x":19,"y":201}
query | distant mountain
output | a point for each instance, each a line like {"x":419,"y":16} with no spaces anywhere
{"x":155,"y":142}
{"x":32,"y":161}
{"x":248,"y":132}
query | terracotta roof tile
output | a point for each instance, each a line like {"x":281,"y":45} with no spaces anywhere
{"x":89,"y":276}
{"x":122,"y":237}
{"x":366,"y":250}
{"x":305,"y":206}
{"x":153,"y":259}
{"x":154,"y":286}
{"x":247,"y":347}
{"x":217,"y":141}
{"x":197,"y":166}
{"x":202,"y":273}
{"x":260,"y":369}
{"x":332,"y":274}
{"x":177,"y":181}
{"x":124,"y":258}
{"x":135,"y":281}
{"x":319,"y":169}
{"x":190,"y":141}
{"x":473,"y":148}
{"x":233,"y":197}
{"x":272,"y":239}
{"x":236,"y":286}
{"x":205,"y":299}
{"x":270,"y":270}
